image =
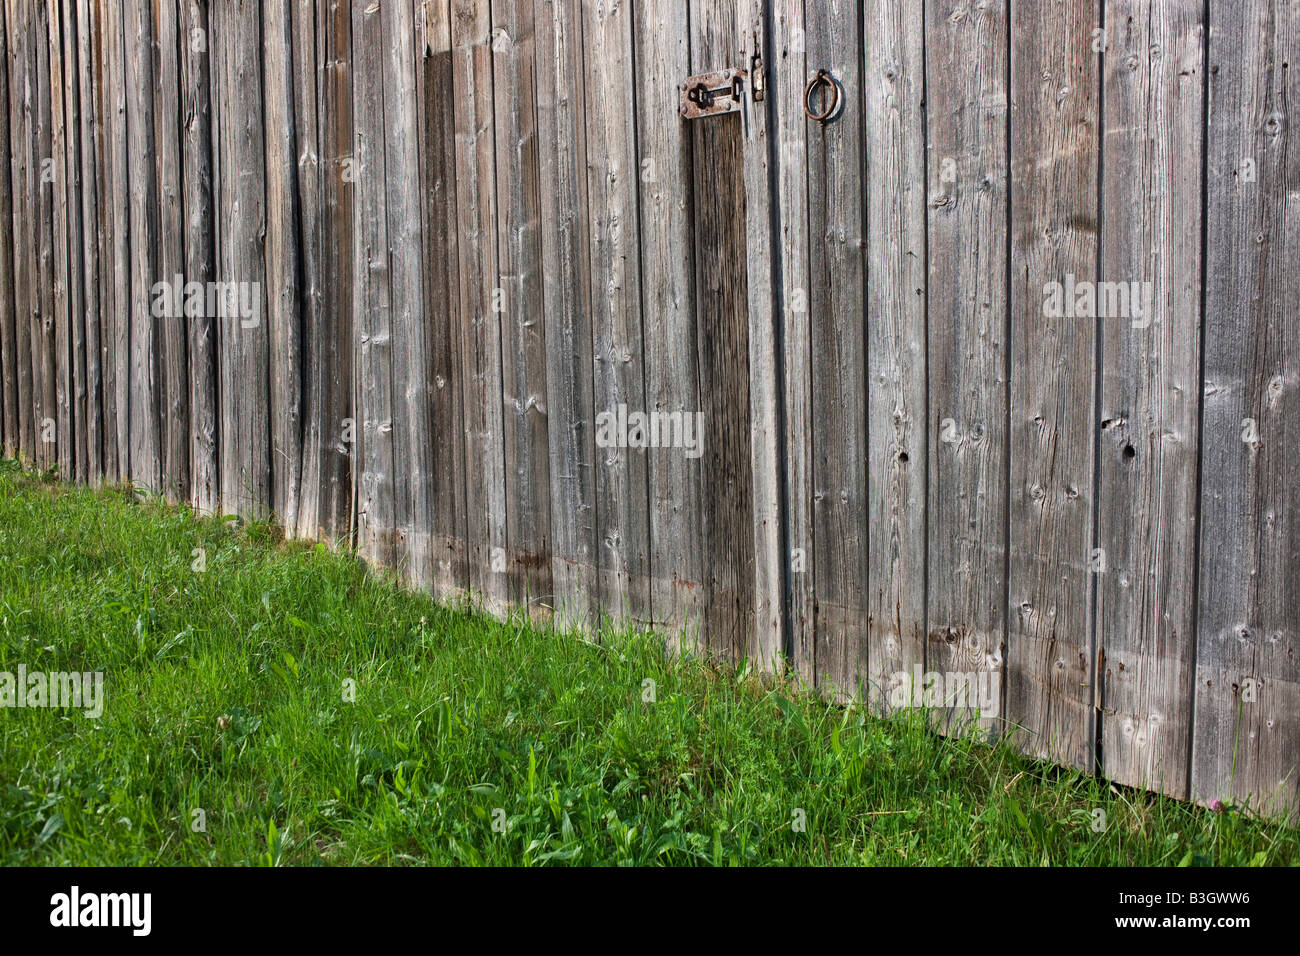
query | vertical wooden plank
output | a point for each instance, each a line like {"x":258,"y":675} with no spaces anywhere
{"x":1247,"y":718}
{"x":788,"y":73}
{"x":480,"y":328}
{"x":376,"y":518}
{"x":244,"y":384}
{"x":1054,"y":150}
{"x":412,"y":439}
{"x":446,"y":389}
{"x":283,"y":261}
{"x":196,"y":153}
{"x":91,"y":237}
{"x":17,"y":17}
{"x":893,"y":83}
{"x":105,"y":119}
{"x":119,"y":343}
{"x":339,"y":469}
{"x":146,"y":387}
{"x":1151,"y":211}
{"x":313,"y":358}
{"x":622,"y":512}
{"x":72,"y":378}
{"x":326,"y":504}
{"x":668,"y":289}
{"x":722,"y":344}
{"x":567,"y":306}
{"x":523,"y":323}
{"x":836,"y":229}
{"x":44,"y":331}
{"x":57,"y":225}
{"x":966,"y":49}
{"x":170,"y":334}
{"x":9,"y":252}
{"x":766,"y":641}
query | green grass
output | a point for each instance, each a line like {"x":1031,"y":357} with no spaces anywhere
{"x":224,"y":691}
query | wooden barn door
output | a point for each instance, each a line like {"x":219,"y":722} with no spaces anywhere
{"x":710,"y":342}
{"x":850,"y":213}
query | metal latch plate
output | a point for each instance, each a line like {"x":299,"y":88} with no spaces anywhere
{"x":709,"y":94}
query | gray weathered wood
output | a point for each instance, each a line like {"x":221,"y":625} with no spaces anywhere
{"x":196,"y":153}
{"x":244,"y":383}
{"x":45,"y":325}
{"x":966,"y":165}
{"x":118,"y":196}
{"x":1247,"y":730}
{"x":412,"y":438}
{"x":283,"y":261}
{"x":788,"y":70}
{"x":443,"y":379}
{"x":622,"y":511}
{"x":173,"y":366}
{"x":306,"y":73}
{"x":146,"y":387}
{"x":8,"y":252}
{"x":480,"y":327}
{"x":836,"y":229}
{"x":1154,"y":84}
{"x":562,"y":177}
{"x":372,"y":315}
{"x":766,"y":640}
{"x":893,"y":117}
{"x":73,"y":370}
{"x":1054,"y":142}
{"x":718,"y":208}
{"x":523,"y":322}
{"x":86,"y":118}
{"x":668,"y":290}
{"x":57,"y":158}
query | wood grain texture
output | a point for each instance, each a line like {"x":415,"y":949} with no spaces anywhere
{"x":372,"y":303}
{"x":244,"y":387}
{"x":331,"y":462}
{"x":524,"y":320}
{"x":765,"y":640}
{"x":146,"y":387}
{"x":60,"y":413}
{"x":618,"y":351}
{"x":8,"y":253}
{"x":726,"y":528}
{"x":412,"y":440}
{"x":1249,"y":615}
{"x":198,"y":226}
{"x":788,"y":73}
{"x":444,"y":382}
{"x":837,"y":175}
{"x":86,"y":119}
{"x":284,"y":260}
{"x":19,"y":363}
{"x":967,"y":300}
{"x":480,"y":320}
{"x":893,"y":117}
{"x":172,"y":332}
{"x":1154,"y":85}
{"x":1054,"y":170}
{"x":562,"y":180}
{"x":666,"y":244}
{"x":45,"y":325}
{"x":115,"y":87}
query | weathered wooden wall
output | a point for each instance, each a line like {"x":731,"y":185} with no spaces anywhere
{"x":467,"y":228}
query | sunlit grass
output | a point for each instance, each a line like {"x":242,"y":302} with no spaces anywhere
{"x":469,"y":740}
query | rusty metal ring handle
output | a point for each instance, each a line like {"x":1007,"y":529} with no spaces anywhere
{"x":822,"y":77}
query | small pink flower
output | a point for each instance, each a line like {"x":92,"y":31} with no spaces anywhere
{"x":1216,"y":805}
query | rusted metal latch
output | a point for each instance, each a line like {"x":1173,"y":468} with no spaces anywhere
{"x":709,"y":94}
